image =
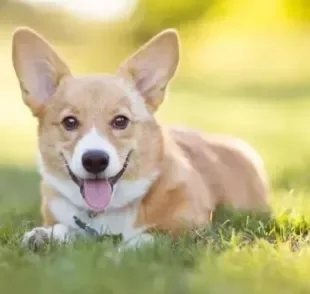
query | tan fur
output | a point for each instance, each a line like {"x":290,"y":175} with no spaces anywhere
{"x":196,"y":173}
{"x":47,"y":194}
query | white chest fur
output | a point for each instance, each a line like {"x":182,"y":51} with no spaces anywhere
{"x":116,"y":221}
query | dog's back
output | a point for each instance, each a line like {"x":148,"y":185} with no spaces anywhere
{"x":231,"y":168}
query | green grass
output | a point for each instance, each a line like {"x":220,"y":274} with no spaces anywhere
{"x":240,"y":254}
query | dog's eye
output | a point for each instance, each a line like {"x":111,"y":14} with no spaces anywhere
{"x":120,"y":122}
{"x":70,"y":123}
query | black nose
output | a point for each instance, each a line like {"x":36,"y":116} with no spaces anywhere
{"x":95,"y":161}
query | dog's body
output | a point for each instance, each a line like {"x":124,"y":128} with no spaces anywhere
{"x":106,"y":160}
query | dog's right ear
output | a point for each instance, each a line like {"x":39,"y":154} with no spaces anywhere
{"x":38,"y":68}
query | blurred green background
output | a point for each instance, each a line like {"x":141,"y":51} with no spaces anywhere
{"x":245,"y":68}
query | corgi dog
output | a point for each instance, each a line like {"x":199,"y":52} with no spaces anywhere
{"x":105,"y":160}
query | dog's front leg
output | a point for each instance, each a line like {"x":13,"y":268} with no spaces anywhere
{"x":58,"y":222}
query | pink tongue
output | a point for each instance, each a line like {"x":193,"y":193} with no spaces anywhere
{"x":97,"y":194}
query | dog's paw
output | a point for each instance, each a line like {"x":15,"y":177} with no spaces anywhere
{"x":36,"y":238}
{"x":136,"y":242}
{"x":40,"y":236}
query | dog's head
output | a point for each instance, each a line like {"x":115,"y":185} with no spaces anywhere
{"x":99,"y":128}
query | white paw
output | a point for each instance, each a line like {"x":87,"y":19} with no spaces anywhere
{"x":42,"y":235}
{"x":36,"y":238}
{"x":137,"y":242}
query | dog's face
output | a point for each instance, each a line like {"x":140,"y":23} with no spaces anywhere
{"x":100,"y":128}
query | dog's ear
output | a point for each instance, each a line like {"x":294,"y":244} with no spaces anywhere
{"x":38,"y":68}
{"x":152,"y":67}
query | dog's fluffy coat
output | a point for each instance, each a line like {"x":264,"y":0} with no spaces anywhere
{"x":175,"y":177}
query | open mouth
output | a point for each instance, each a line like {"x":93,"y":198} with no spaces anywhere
{"x":97,"y":192}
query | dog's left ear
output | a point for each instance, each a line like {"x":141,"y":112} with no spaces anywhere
{"x":152,"y":67}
